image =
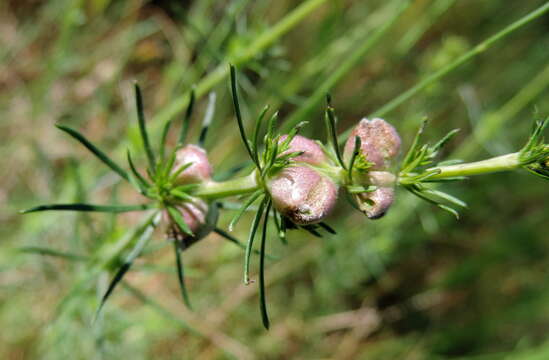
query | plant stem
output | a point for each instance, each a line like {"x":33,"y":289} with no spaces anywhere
{"x":495,"y":164}
{"x":238,"y":186}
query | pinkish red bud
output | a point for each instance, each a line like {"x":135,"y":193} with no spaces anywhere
{"x":380,"y":142}
{"x":376,"y":203}
{"x":200,"y":169}
{"x":302,"y":194}
{"x":312,"y":152}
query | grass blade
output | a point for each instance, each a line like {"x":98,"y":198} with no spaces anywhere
{"x":143,"y":129}
{"x":187,"y":118}
{"x":100,"y":155}
{"x":51,"y":252}
{"x":181,"y":275}
{"x":136,"y":250}
{"x":262,"y":300}
{"x":208,"y":117}
{"x":88,"y":207}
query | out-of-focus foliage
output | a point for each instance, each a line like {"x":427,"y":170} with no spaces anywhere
{"x":416,"y":284}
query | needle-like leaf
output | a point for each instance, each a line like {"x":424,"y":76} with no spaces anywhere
{"x":251,"y":236}
{"x":239,"y":115}
{"x":244,"y":207}
{"x":181,"y":274}
{"x":141,"y":183}
{"x":257,"y":130}
{"x":331,"y":121}
{"x":143,"y":129}
{"x":100,"y":155}
{"x":262,"y":299}
{"x":413,"y":148}
{"x":164,"y":138}
{"x":327,"y":227}
{"x":178,"y":218}
{"x":281,"y":229}
{"x":356,"y":150}
{"x":238,"y":243}
{"x":88,"y":207}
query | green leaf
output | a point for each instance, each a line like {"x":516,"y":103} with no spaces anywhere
{"x":445,"y":196}
{"x":251,"y":236}
{"x":181,"y":275}
{"x":410,"y":155}
{"x":101,"y":155}
{"x":179,"y":170}
{"x":178,"y":218}
{"x":243,"y":208}
{"x":182,"y":195}
{"x":88,"y":207}
{"x":327,"y":227}
{"x":356,"y":150}
{"x":331,"y":122}
{"x":187,"y":118}
{"x":143,"y":129}
{"x":444,"y":140}
{"x":262,"y":297}
{"x":271,"y":127}
{"x":238,"y":243}
{"x":141,"y":183}
{"x":272,"y":159}
{"x":281,"y":229}
{"x":257,"y":130}
{"x":239,"y":115}
{"x":164,"y":138}
{"x":291,"y":135}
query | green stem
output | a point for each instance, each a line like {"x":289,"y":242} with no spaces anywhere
{"x":238,"y":186}
{"x":495,"y":164}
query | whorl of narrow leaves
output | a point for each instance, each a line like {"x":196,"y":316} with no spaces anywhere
{"x":418,"y":168}
{"x":534,"y":156}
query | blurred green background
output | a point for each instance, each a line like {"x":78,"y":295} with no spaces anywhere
{"x":417,"y":284}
